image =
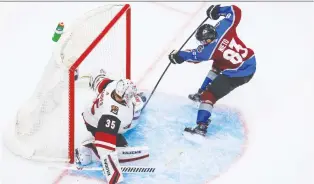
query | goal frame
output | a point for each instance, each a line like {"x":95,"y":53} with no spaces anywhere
{"x":126,"y":10}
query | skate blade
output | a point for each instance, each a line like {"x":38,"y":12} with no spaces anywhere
{"x":195,"y":138}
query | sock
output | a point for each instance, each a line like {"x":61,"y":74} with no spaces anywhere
{"x":204,"y":113}
{"x":206,"y":82}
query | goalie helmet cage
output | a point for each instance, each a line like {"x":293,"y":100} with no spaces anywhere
{"x":41,"y":126}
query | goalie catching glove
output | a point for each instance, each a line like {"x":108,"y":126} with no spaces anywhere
{"x":95,"y":78}
{"x":175,"y":58}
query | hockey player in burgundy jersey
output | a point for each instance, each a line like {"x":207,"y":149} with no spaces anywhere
{"x":233,"y":65}
{"x":114,"y":111}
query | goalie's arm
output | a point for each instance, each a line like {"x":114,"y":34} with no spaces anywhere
{"x":99,"y":82}
{"x":103,"y":84}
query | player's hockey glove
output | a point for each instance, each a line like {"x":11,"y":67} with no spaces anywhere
{"x":175,"y":58}
{"x":213,"y":12}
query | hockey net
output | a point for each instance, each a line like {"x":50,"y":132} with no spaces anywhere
{"x":44,"y":128}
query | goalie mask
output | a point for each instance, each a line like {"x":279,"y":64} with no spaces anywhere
{"x":126,"y":89}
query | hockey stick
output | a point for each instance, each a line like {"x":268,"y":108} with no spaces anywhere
{"x":124,"y":169}
{"x":170,"y":63}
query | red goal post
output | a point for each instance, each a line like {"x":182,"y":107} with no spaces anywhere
{"x":32,"y":133}
{"x":125,"y":10}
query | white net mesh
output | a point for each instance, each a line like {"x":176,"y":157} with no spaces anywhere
{"x":41,"y":129}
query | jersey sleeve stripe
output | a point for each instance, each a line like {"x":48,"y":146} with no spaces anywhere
{"x":105,"y":137}
{"x":103,"y":84}
{"x":237,"y":14}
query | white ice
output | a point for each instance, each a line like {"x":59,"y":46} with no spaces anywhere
{"x":276,"y":104}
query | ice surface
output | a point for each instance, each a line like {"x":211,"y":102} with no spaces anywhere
{"x":277,"y":105}
{"x":178,"y":160}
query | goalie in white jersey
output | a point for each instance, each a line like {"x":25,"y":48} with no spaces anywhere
{"x":113,"y":112}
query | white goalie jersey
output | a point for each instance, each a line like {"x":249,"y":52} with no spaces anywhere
{"x":108,"y":116}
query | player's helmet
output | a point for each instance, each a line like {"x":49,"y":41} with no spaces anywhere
{"x":206,"y":33}
{"x":126,"y":89}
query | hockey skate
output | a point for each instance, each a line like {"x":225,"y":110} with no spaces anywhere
{"x":196,"y":97}
{"x":196,"y":134}
{"x":78,"y":163}
{"x":86,"y":156}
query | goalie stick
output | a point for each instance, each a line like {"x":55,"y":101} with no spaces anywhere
{"x":124,"y":169}
{"x":154,"y":89}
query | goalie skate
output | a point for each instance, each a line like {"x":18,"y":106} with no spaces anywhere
{"x":80,"y":166}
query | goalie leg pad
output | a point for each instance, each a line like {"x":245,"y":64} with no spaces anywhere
{"x":86,"y":154}
{"x":131,"y":154}
{"x":111,"y":168}
{"x":83,"y":156}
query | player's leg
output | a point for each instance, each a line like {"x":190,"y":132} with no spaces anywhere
{"x":121,"y":141}
{"x":212,"y":74}
{"x":87,"y":152}
{"x":220,"y":87}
